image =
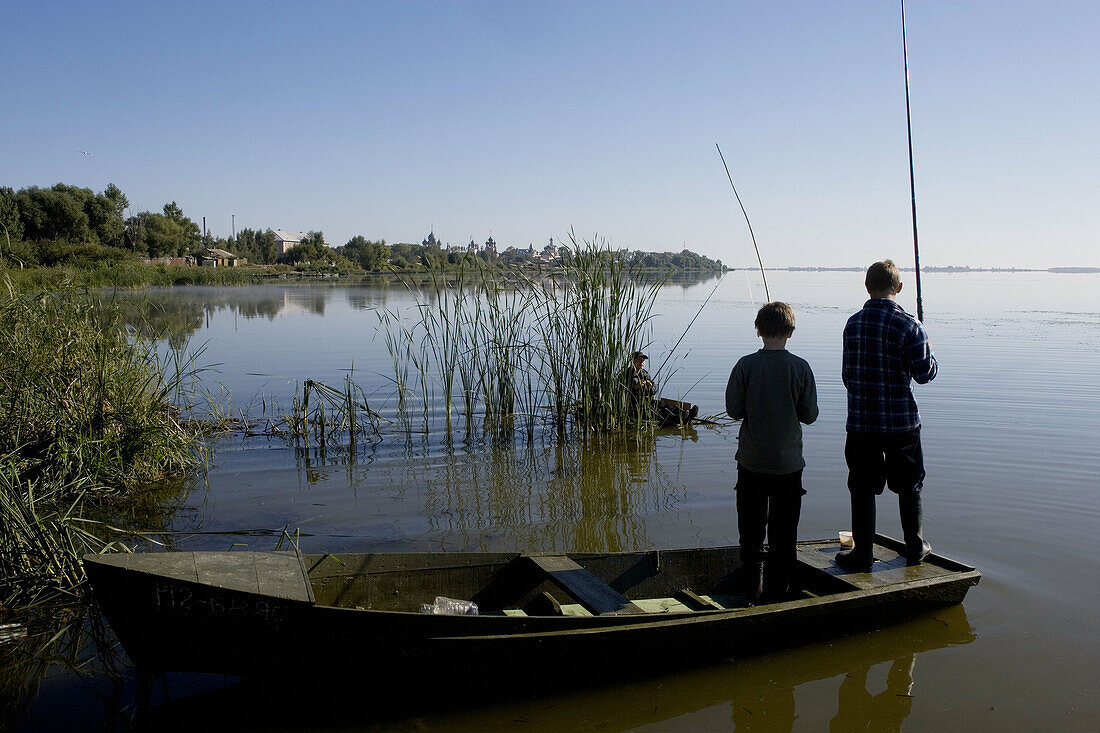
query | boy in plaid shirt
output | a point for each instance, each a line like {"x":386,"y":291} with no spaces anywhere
{"x":885,"y":349}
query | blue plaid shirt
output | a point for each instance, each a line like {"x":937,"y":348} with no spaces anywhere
{"x":884,"y":348}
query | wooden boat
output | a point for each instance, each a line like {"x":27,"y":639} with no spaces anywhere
{"x":354,"y":616}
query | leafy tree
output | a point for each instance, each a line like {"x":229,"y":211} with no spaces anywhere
{"x":191,"y":230}
{"x":10,"y":224}
{"x":314,"y":238}
{"x":163,"y":236}
{"x":158,"y":235}
{"x":104,"y":220}
{"x":255,"y":246}
{"x":683,"y":260}
{"x":308,"y":251}
{"x":265,"y":247}
{"x":403,"y":254}
{"x":174,"y":212}
{"x":369,"y":255}
{"x":245,"y":245}
{"x":117,"y":198}
{"x":18,"y":251}
{"x":53,"y":213}
{"x":12,"y":246}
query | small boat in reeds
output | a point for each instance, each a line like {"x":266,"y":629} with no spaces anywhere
{"x":255,"y":614}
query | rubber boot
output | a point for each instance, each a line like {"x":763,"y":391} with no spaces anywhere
{"x":862,"y":556}
{"x":778,"y":586}
{"x":754,"y":581}
{"x":915,"y":546}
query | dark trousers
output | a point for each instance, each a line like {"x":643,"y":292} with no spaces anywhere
{"x":768,"y":505}
{"x":875,"y":461}
{"x":878,"y":460}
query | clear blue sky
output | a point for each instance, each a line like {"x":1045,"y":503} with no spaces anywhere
{"x":524,"y":119}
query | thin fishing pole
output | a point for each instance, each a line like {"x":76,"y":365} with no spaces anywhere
{"x":697,"y":313}
{"x":765,"y":277}
{"x":912,"y":183}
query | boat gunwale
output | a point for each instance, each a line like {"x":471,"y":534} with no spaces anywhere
{"x":956,"y":572}
{"x":601,"y":624}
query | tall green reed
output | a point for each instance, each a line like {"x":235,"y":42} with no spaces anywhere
{"x":601,"y":313}
{"x":335,"y":413}
{"x":553,"y":347}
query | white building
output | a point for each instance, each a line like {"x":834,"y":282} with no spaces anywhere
{"x":285,"y":240}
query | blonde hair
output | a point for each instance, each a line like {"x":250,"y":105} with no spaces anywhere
{"x":883,"y":277}
{"x":775,"y":319}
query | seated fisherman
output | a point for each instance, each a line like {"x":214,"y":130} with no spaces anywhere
{"x":641,"y":384}
{"x":668,"y":412}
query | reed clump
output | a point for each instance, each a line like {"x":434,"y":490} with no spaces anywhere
{"x":86,"y":418}
{"x":324,"y":414}
{"x":514,"y":351}
{"x":81,"y":396}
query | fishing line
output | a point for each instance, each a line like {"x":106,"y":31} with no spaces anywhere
{"x":748,"y":284}
{"x":690,"y":324}
{"x":738,"y":197}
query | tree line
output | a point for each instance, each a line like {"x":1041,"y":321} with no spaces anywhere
{"x":66,"y":224}
{"x":69,"y":224}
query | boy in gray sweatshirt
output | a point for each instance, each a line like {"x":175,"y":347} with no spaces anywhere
{"x":772,"y":392}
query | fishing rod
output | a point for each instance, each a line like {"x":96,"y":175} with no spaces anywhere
{"x":762,"y":275}
{"x":912,"y":184}
{"x":697,"y":314}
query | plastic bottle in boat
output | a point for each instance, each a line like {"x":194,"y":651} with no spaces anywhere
{"x":450,"y":607}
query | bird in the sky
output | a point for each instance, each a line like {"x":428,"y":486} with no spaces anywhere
{"x":85,"y":152}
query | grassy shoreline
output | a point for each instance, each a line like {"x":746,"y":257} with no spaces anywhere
{"x":87,"y":419}
{"x":133,"y":275}
{"x":126,"y":275}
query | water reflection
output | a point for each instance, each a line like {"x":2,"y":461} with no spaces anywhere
{"x":764,"y":694}
{"x":858,"y":709}
{"x":588,"y":496}
{"x":175,"y":314}
{"x":159,"y":319}
{"x":59,"y":641}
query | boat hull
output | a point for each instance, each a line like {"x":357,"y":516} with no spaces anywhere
{"x":267,"y":621}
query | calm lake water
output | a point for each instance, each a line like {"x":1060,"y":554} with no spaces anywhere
{"x":1010,"y":435}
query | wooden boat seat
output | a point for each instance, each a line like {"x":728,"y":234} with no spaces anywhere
{"x":678,"y":604}
{"x":594,"y":594}
{"x":696,"y":602}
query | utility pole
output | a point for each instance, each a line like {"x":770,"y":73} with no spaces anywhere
{"x":234,"y":229}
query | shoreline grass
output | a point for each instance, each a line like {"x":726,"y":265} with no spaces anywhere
{"x":129,"y":275}
{"x":87,"y":418}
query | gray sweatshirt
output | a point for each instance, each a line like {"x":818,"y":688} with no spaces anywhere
{"x":771,"y":392}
